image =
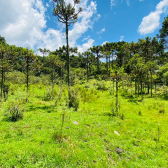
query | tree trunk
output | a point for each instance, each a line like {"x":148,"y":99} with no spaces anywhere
{"x":2,"y":76}
{"x":52,"y":80}
{"x":68,"y":61}
{"x":113,"y":86}
{"x":107,"y":64}
{"x":87,"y":69}
{"x":112,"y":61}
{"x":141,"y":88}
{"x":138,"y":87}
{"x":116,"y":95}
{"x":97,"y":64}
{"x":141,"y":83}
{"x":148,"y":82}
{"x":151,"y":82}
{"x":135,"y":86}
{"x":27,"y":78}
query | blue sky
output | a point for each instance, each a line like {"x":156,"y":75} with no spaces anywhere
{"x":31,"y":23}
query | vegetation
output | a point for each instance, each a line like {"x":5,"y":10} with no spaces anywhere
{"x":109,"y":113}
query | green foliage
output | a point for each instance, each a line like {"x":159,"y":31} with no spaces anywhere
{"x":164,"y":32}
{"x":16,"y":77}
{"x":101,"y":86}
{"x":73,"y":99}
{"x":49,"y":94}
{"x":162,"y":110}
{"x":39,"y":137}
{"x":15,"y":112}
{"x":165,"y":78}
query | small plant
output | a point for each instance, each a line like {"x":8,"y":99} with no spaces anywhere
{"x":58,"y":136}
{"x":113,"y":110}
{"x":15,"y":113}
{"x":140,"y":113}
{"x":59,"y":96}
{"x":74,"y":101}
{"x":122,"y":116}
{"x":162,"y":110}
{"x":158,"y":136}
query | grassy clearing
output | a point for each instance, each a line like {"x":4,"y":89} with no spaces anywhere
{"x":88,"y":138}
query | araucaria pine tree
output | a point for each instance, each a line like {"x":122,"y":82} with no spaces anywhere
{"x":66,"y":14}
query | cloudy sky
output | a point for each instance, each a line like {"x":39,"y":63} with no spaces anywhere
{"x":31,"y":23}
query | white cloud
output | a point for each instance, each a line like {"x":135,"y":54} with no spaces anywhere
{"x":47,"y":5}
{"x":104,"y":43}
{"x":101,"y":31}
{"x":151,"y":22}
{"x":121,"y":38}
{"x":127,"y":1}
{"x":113,"y":3}
{"x":23,"y":23}
{"x":82,"y":26}
{"x":97,"y":17}
{"x":20,"y":20}
{"x":85,"y":46}
{"x":86,"y":38}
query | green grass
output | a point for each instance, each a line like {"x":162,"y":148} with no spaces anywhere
{"x":36,"y":141}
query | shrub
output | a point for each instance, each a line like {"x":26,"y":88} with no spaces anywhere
{"x":16,"y":77}
{"x":74,"y":101}
{"x":49,"y":95}
{"x":101,"y":86}
{"x":162,"y":110}
{"x":15,"y":113}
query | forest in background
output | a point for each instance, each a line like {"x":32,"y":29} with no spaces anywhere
{"x":143,"y":64}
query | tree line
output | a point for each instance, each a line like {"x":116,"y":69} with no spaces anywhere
{"x":143,"y":63}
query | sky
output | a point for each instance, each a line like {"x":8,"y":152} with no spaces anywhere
{"x":31,"y":22}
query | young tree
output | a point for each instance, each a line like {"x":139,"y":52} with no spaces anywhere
{"x":66,"y":14}
{"x":151,"y":66}
{"x":54,"y":62}
{"x":137,"y":64}
{"x":3,"y":57}
{"x":88,"y":56}
{"x":29,"y":59}
{"x":7,"y":55}
{"x":97,"y":50}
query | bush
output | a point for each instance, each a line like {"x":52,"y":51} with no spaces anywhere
{"x":16,"y":77}
{"x":49,"y":95}
{"x":162,"y":110}
{"x":74,"y":101}
{"x":101,"y":86}
{"x":15,"y":113}
{"x":34,"y":79}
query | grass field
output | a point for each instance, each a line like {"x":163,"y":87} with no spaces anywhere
{"x":90,"y":136}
